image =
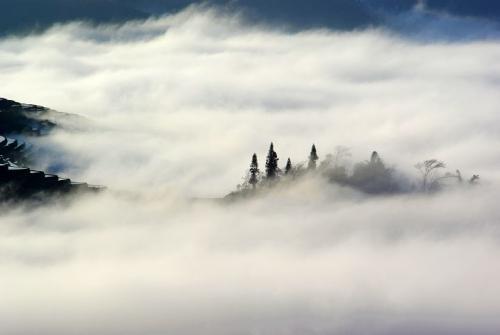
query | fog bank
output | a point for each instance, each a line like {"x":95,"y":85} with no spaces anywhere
{"x":178,"y":105}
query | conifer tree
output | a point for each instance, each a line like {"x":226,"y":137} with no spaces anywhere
{"x":288,"y":167}
{"x":313,"y":157}
{"x":254,"y":171}
{"x":375,"y":158}
{"x":271,"y":163}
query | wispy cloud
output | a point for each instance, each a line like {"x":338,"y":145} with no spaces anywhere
{"x":180,"y":103}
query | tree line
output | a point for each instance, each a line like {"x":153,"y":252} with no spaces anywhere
{"x":371,"y":176}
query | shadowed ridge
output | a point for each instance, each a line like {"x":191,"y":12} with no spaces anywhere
{"x":35,"y":120}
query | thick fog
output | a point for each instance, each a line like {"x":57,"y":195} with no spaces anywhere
{"x":176,"y":106}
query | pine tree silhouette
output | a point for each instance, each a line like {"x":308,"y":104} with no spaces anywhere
{"x":254,"y":172}
{"x":288,"y":167}
{"x":313,"y":157}
{"x":375,"y":158}
{"x":271,"y":163}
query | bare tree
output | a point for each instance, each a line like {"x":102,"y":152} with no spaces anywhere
{"x":340,"y":154}
{"x":334,"y":166}
{"x":340,"y":157}
{"x":474,"y":179}
{"x":428,"y":170}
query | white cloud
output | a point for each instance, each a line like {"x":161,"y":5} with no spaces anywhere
{"x":181,"y":103}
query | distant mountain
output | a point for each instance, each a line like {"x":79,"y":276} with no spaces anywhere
{"x":25,"y":16}
{"x":489,"y":9}
{"x":295,"y":8}
{"x":345,"y":14}
{"x":337,"y":14}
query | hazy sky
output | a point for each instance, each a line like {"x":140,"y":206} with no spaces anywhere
{"x":179,"y":104}
{"x":23,"y":16}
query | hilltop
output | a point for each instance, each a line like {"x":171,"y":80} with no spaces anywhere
{"x":34,"y":120}
{"x":20,"y":125}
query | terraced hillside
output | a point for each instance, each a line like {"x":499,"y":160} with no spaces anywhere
{"x":20,"y":123}
{"x":12,"y":150}
{"x":18,"y":183}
